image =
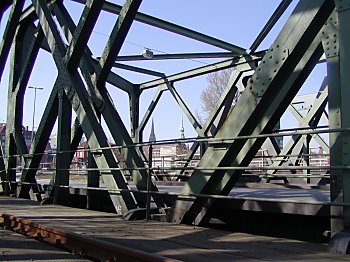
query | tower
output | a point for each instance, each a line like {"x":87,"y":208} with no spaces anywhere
{"x":182,"y":129}
{"x":152,"y":136}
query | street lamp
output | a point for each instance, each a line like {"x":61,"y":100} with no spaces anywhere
{"x":35,"y":88}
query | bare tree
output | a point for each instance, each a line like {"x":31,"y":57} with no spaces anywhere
{"x":217,"y":82}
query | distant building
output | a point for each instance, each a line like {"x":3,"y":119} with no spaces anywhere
{"x":80,"y":158}
{"x":165,"y":156}
{"x":152,"y":136}
{"x":47,"y":158}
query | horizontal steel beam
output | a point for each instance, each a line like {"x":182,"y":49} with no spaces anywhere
{"x":138,"y":70}
{"x":197,"y":72}
{"x":176,"y":56}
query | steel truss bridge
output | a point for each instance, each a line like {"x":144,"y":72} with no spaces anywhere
{"x":316,"y":32}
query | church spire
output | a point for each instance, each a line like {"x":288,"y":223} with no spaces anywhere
{"x":182,"y":129}
{"x":152,"y":136}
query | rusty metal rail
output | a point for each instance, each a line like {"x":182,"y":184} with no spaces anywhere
{"x":84,"y":246}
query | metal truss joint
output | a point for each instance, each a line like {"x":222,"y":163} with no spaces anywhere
{"x":267,"y":69}
{"x":330,"y":40}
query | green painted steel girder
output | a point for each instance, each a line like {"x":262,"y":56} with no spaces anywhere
{"x":275,"y":82}
{"x":336,"y":39}
{"x":74,"y":88}
{"x":176,"y":56}
{"x":82,"y":33}
{"x":138,"y":70}
{"x":270,"y":24}
{"x":9,"y":33}
{"x":198,"y":71}
{"x":61,"y":176}
{"x":196,"y":125}
{"x":25,"y":50}
{"x":222,"y":106}
{"x":103,"y":103}
{"x":150,"y":110}
{"x":309,"y":120}
{"x":116,"y":39}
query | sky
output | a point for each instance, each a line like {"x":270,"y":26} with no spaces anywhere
{"x":234,"y":21}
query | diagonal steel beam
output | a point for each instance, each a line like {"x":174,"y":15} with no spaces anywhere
{"x":198,"y":71}
{"x":116,"y":39}
{"x":276,"y":81}
{"x":307,"y":121}
{"x":300,"y":118}
{"x":225,"y":100}
{"x":25,"y":48}
{"x":138,"y":69}
{"x":270,"y":24}
{"x":184,"y":107}
{"x":149,"y":111}
{"x":40,"y":141}
{"x":132,"y":156}
{"x":82,"y":33}
{"x":74,"y":88}
{"x":9,"y":32}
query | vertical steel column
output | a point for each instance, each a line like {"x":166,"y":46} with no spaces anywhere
{"x":336,"y":42}
{"x":2,"y":169}
{"x":134,"y":101}
{"x":63,"y":160}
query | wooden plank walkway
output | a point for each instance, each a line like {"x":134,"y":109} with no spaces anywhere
{"x":179,"y":242}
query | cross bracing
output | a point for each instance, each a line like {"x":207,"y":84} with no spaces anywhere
{"x":261,"y":88}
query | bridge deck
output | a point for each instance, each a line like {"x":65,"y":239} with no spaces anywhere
{"x":181,"y":242}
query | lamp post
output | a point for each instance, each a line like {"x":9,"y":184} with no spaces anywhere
{"x":35,"y":88}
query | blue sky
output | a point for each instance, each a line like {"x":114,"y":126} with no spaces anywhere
{"x":234,"y":21}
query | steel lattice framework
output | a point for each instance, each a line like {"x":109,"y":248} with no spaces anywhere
{"x":315,"y":28}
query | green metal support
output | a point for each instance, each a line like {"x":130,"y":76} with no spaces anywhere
{"x":220,"y":111}
{"x":21,"y":66}
{"x":134,"y":101}
{"x":82,"y":33}
{"x":335,"y":41}
{"x":197,"y":72}
{"x":9,"y":33}
{"x":104,"y":105}
{"x":2,"y":169}
{"x":311,"y":119}
{"x":149,"y":112}
{"x":196,"y":125}
{"x":77,"y":95}
{"x":63,"y":161}
{"x":275,"y":82}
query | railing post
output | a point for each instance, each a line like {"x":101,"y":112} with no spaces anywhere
{"x":149,"y":177}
